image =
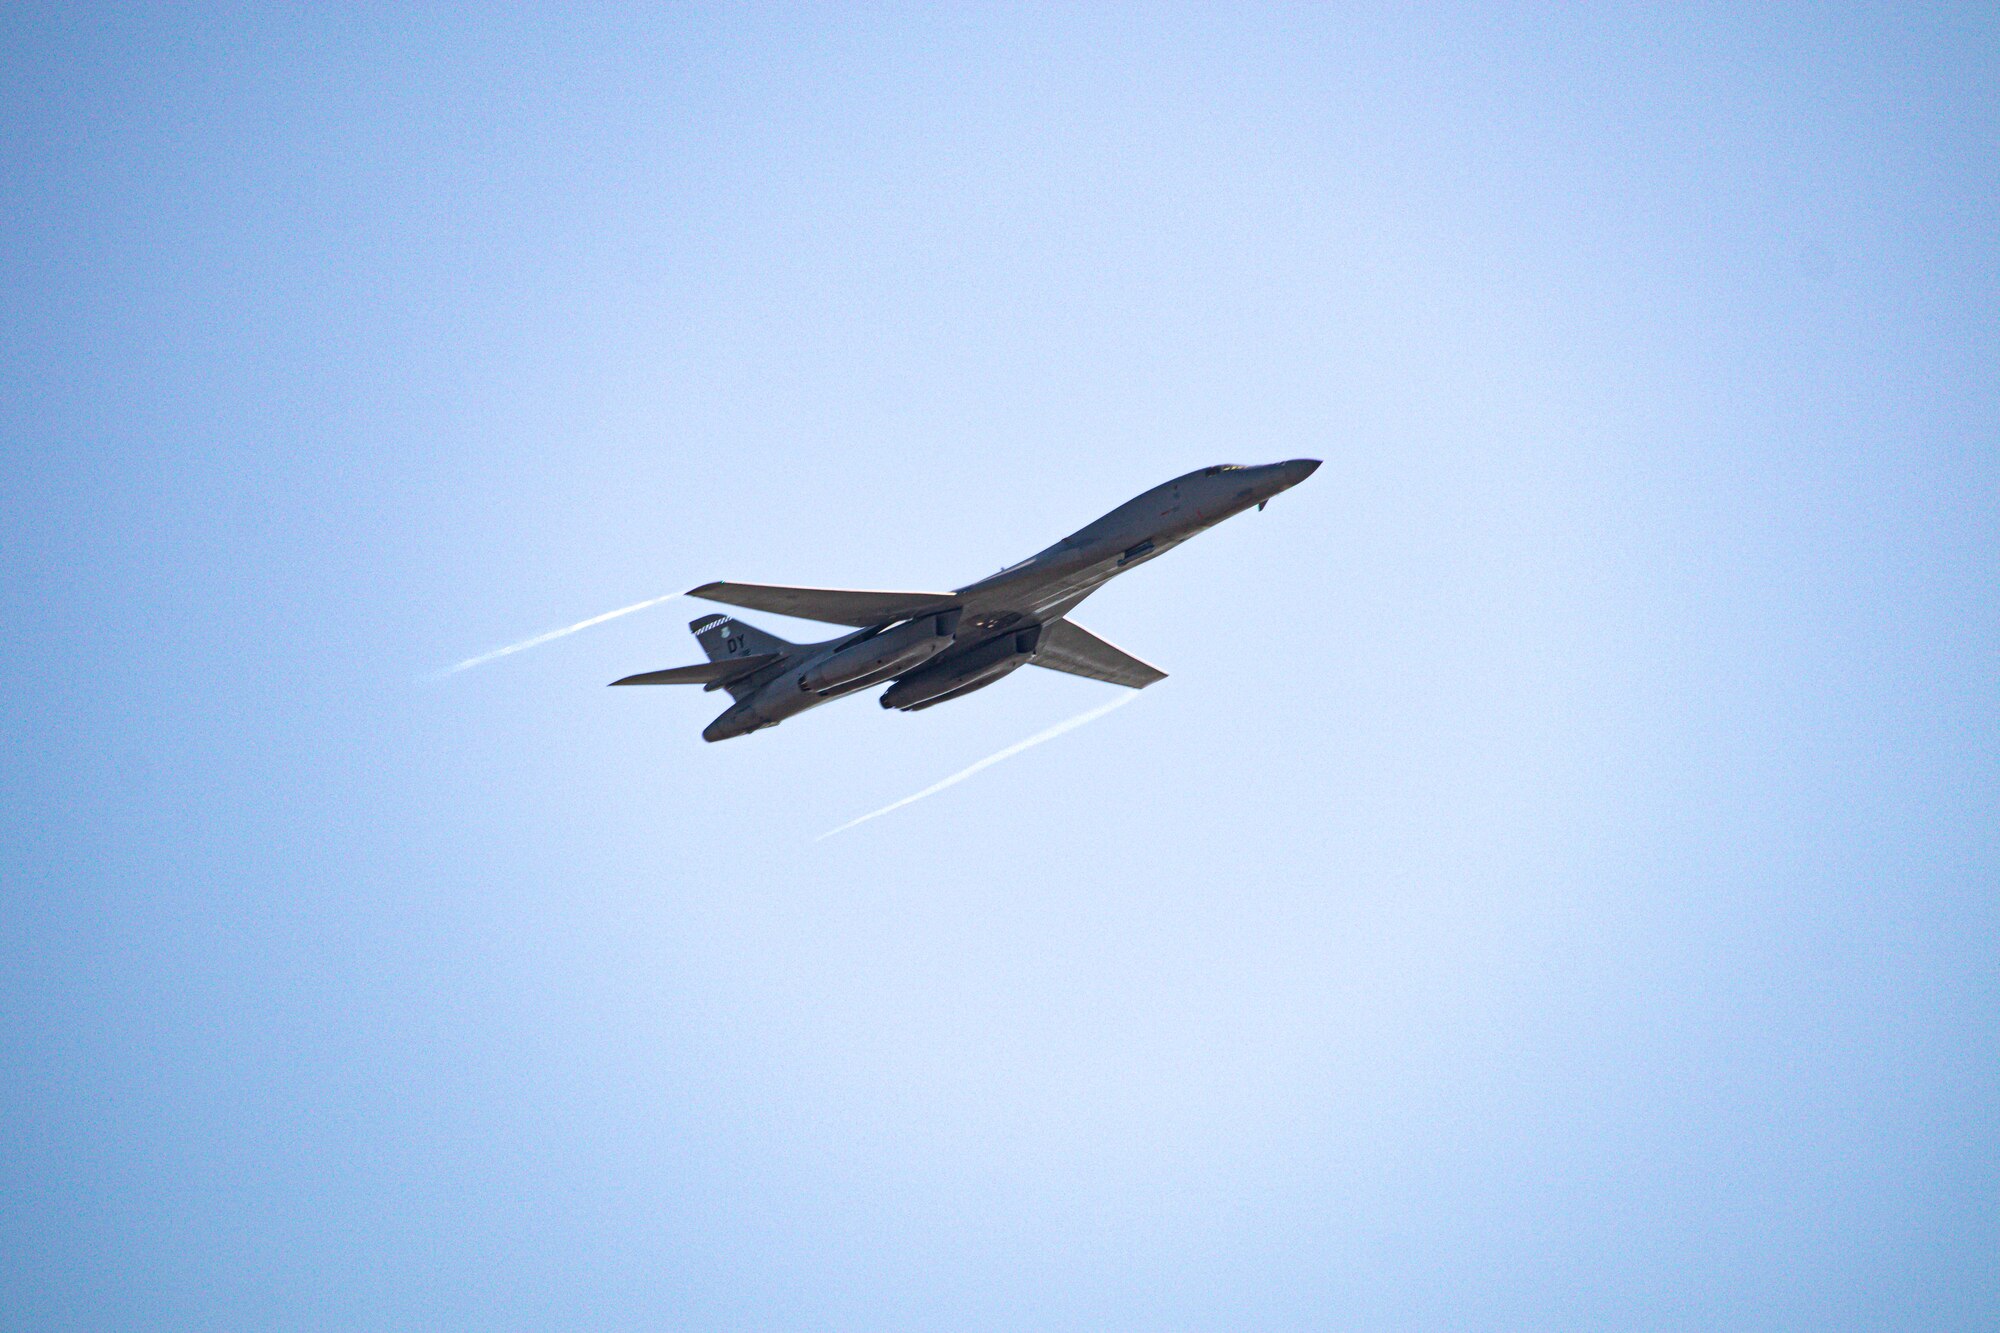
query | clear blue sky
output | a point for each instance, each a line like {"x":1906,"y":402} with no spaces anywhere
{"x":1558,"y":887}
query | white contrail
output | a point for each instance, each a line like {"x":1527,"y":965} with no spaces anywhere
{"x":540,"y":639}
{"x":988,"y":762}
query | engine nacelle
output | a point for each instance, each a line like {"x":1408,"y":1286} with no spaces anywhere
{"x":989,"y":661}
{"x":883,"y":655}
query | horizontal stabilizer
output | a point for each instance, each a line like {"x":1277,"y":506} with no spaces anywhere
{"x":704,"y":673}
{"x":1072,"y":648}
{"x":834,"y":606}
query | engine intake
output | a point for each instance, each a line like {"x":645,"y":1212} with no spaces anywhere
{"x":986,"y":662}
{"x":880,"y":656}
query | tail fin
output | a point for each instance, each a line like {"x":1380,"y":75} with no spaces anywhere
{"x":724,"y":637}
{"x":721,"y":636}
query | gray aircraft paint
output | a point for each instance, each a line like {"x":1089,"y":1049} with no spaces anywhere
{"x":936,"y":647}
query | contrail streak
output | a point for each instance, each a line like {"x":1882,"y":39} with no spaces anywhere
{"x":541,"y":639}
{"x":988,"y":762}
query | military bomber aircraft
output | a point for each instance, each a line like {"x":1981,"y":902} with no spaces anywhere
{"x":940,"y":646}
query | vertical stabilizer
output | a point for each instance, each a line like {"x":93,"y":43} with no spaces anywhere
{"x":726,"y":637}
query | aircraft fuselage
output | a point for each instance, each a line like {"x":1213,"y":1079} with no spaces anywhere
{"x":937,"y":647}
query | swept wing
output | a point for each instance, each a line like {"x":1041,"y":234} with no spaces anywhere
{"x":1072,"y":648}
{"x":835,"y":606}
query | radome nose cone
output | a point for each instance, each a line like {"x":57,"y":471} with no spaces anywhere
{"x":1284,"y":476}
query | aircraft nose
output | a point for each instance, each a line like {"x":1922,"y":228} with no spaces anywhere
{"x":1284,"y":476}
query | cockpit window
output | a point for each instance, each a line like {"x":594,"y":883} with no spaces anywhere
{"x":1221,"y":467}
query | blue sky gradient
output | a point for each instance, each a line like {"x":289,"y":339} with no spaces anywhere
{"x":1555,"y":889}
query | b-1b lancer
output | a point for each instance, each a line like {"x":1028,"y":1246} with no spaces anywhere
{"x":940,"y":646}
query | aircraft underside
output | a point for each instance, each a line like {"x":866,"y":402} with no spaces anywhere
{"x":932,"y":648}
